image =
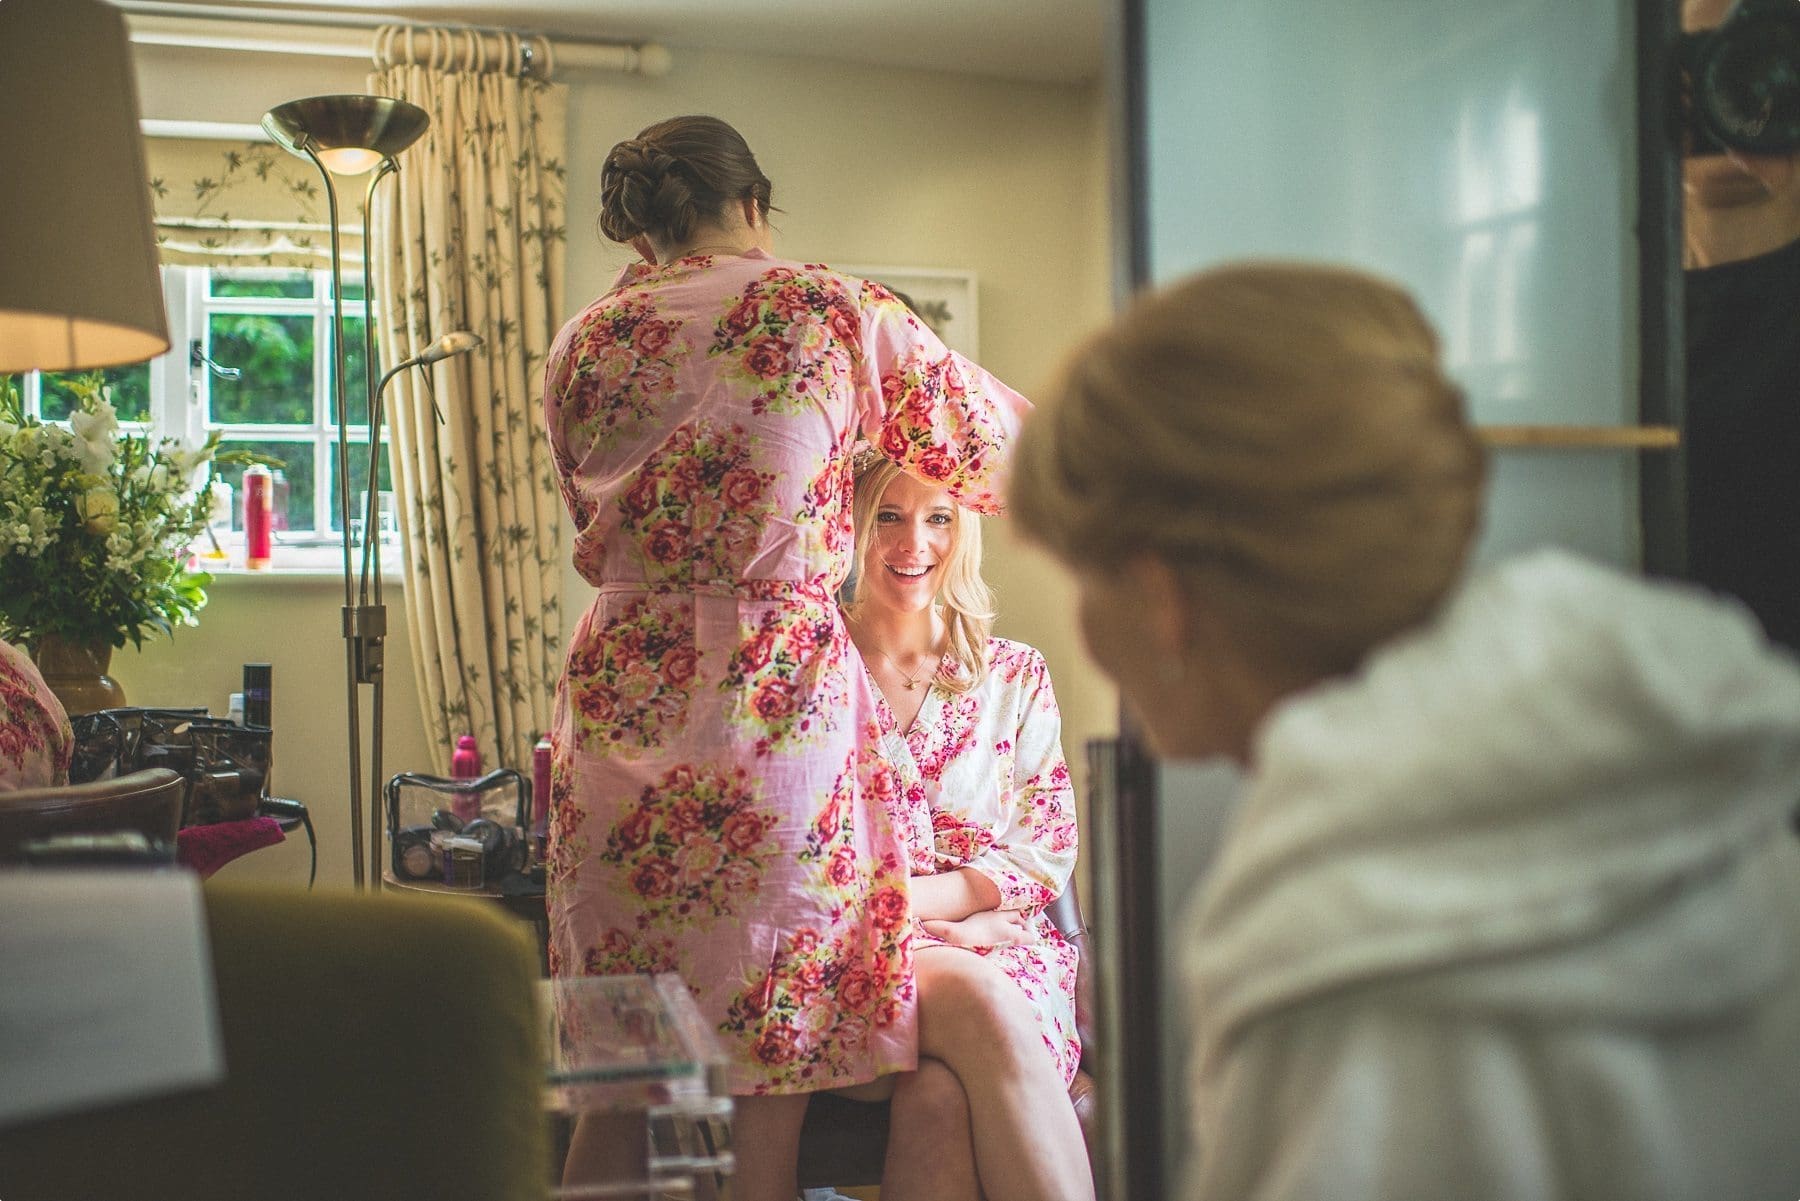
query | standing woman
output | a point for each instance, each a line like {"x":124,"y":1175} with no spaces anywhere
{"x":719,"y":802}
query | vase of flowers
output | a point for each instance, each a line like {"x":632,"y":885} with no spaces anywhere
{"x":95,"y":529}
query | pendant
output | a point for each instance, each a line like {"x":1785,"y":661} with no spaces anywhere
{"x":910,"y":685}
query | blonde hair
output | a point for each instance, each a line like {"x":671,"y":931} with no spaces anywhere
{"x":967,"y":600}
{"x":1281,"y":435}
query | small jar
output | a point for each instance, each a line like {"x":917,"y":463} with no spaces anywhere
{"x":463,"y":863}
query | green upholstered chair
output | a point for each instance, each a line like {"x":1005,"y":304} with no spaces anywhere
{"x":375,"y":1048}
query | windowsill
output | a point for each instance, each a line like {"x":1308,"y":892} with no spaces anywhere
{"x":300,"y":563}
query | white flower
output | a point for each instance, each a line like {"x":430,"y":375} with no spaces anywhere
{"x":54,"y":442}
{"x":94,"y":432}
{"x":183,"y":463}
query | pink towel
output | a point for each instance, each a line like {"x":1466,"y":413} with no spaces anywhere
{"x":206,"y":849}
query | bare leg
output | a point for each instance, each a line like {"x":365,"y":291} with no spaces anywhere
{"x":765,"y":1135}
{"x":1027,"y":1140}
{"x":930,"y":1155}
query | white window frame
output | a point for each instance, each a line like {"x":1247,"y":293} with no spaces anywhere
{"x":180,"y":398}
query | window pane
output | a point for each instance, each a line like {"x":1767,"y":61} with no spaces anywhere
{"x":128,"y":389}
{"x":295,"y":284}
{"x":359,"y":475}
{"x":356,"y":374}
{"x":353,"y":289}
{"x":297,"y":474}
{"x":275,"y":357}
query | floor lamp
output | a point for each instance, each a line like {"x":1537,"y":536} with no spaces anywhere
{"x":349,"y":135}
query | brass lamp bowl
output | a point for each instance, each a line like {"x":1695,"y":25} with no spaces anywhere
{"x":349,"y":133}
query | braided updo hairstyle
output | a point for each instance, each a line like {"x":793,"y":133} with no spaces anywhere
{"x":675,"y":175}
{"x":1283,"y":437}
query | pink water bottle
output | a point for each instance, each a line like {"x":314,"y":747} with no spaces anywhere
{"x":465,"y":764}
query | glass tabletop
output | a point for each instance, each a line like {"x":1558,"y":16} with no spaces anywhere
{"x":616,"y":1028}
{"x":637,"y":1045}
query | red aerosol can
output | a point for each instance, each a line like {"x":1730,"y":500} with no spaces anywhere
{"x":259,"y":517}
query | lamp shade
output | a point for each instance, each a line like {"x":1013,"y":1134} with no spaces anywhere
{"x":350,"y":133}
{"x":78,"y":279}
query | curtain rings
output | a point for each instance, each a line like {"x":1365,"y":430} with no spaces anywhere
{"x":466,"y":49}
{"x":537,"y":56}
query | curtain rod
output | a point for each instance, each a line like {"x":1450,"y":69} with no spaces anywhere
{"x":348,"y":36}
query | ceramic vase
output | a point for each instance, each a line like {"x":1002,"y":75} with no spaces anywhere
{"x":76,"y":672}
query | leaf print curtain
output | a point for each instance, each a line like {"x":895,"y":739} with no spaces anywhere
{"x":473,"y":239}
{"x":245,"y":204}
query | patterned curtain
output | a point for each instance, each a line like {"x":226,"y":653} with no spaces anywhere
{"x":245,"y":204}
{"x":473,"y":239}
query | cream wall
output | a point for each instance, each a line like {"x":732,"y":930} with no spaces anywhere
{"x":889,"y":167}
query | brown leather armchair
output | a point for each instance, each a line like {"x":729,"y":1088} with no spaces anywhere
{"x":147,"y":801}
{"x":844,"y":1142}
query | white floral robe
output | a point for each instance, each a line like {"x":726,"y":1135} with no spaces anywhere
{"x":996,"y":796}
{"x":719,"y":805}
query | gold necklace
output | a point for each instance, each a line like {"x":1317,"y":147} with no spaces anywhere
{"x":912,"y":682}
{"x":708,"y":248}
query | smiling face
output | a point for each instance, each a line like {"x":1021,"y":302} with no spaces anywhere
{"x":912,"y":539}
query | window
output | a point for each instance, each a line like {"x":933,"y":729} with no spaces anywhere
{"x":250,"y":357}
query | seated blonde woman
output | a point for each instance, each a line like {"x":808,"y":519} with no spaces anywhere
{"x":35,"y":739}
{"x":1511,"y":905}
{"x":991,"y":832}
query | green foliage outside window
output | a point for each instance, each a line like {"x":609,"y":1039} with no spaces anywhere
{"x":129,"y":388}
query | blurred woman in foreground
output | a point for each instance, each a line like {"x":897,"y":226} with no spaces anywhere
{"x":1511,"y":905}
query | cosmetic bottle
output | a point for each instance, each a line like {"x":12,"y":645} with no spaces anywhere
{"x":259,"y":706}
{"x":259,"y":517}
{"x":540,"y":795}
{"x":465,"y":764}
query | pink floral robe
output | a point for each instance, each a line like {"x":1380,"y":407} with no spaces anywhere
{"x":35,"y":739}
{"x":719,"y":804}
{"x":997,"y":797}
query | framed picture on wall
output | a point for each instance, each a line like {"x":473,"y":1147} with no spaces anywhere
{"x":944,"y":300}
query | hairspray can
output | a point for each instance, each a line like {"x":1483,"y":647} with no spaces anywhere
{"x":465,"y":764}
{"x":259,"y":516}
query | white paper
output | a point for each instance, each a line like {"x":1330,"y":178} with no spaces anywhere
{"x":106,"y":989}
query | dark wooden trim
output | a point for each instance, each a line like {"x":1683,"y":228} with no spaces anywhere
{"x":1124,"y":837}
{"x":1135,"y":1057}
{"x":1128,"y":102}
{"x":1662,"y":365}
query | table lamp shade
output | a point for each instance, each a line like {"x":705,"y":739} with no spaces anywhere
{"x":79,"y":285}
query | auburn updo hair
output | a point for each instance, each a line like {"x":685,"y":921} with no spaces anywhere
{"x":673,"y":176}
{"x":1283,"y":436}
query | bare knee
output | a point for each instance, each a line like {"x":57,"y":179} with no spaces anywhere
{"x":933,"y":1099}
{"x":969,"y":1011}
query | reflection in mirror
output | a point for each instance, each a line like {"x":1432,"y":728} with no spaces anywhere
{"x":1741,"y":235}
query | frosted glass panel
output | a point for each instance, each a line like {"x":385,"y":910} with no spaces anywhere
{"x":1481,"y":153}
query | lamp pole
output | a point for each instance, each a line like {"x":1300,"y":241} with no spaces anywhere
{"x":353,"y":133}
